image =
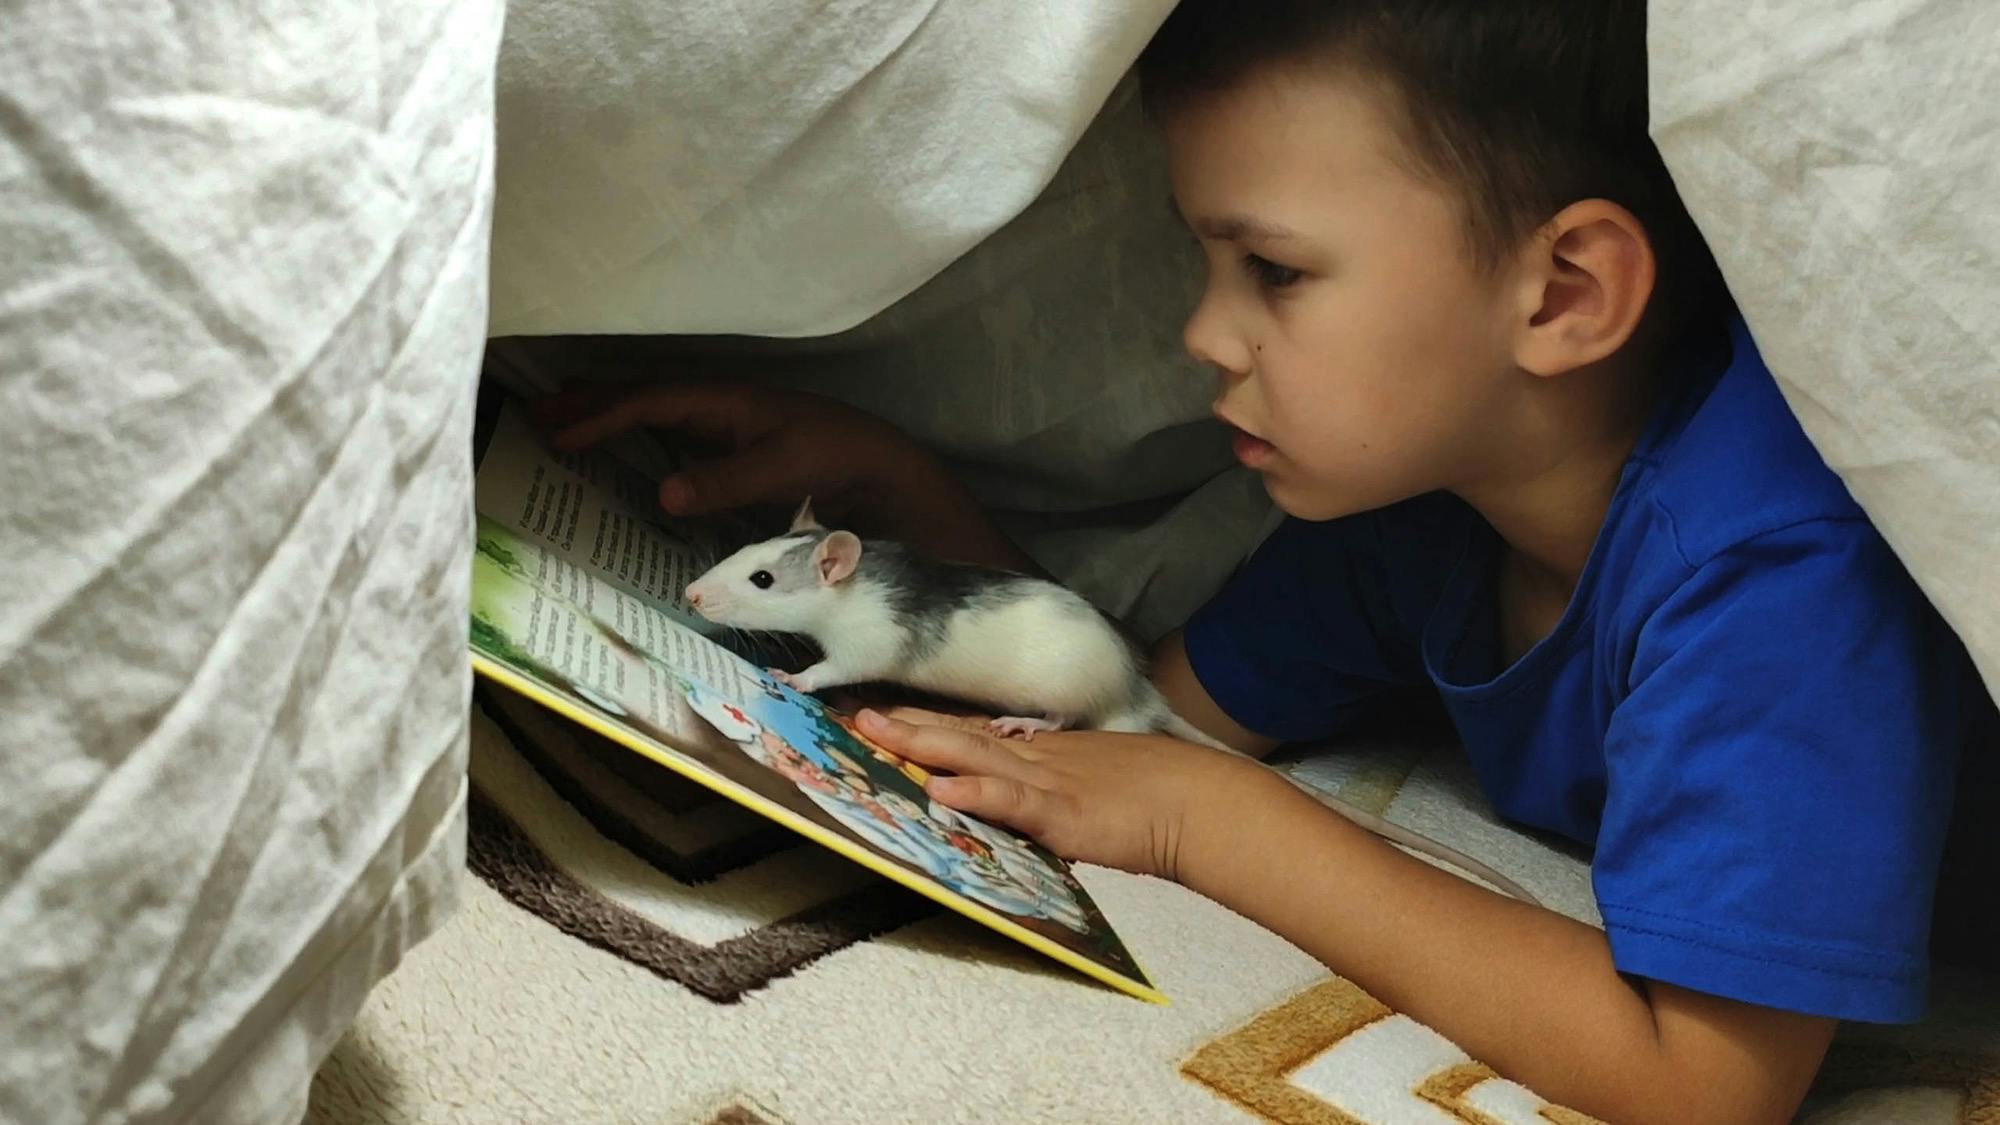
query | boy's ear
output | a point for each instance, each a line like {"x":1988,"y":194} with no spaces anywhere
{"x":1585,"y":287}
{"x":804,"y":520}
{"x":836,"y":557}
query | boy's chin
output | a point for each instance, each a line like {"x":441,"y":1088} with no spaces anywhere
{"x":1315,"y":504}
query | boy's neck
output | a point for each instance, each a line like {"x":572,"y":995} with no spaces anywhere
{"x":1550,"y":508}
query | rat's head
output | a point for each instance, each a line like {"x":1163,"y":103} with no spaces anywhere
{"x":1420,"y":221}
{"x":788,"y":584}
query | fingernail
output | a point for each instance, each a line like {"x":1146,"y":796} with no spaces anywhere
{"x":872,"y":720}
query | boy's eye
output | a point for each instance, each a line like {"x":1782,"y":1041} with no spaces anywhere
{"x":762,"y":580}
{"x":1268,"y":273}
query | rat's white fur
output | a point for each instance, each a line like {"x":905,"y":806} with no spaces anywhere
{"x":1048,"y":654}
{"x":1038,"y":655}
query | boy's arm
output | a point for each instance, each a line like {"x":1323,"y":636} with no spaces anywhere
{"x":1528,"y":991}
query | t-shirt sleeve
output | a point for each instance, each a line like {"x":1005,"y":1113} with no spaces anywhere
{"x":1305,"y":633}
{"x":1779,"y":779}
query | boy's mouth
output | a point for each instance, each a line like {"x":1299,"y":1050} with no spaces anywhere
{"x":1250,"y":449}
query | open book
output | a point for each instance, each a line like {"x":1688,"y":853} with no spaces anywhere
{"x":576,"y":604}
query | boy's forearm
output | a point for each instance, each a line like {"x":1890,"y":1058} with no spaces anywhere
{"x":1528,"y":991}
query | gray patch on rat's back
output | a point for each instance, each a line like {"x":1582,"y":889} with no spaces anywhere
{"x":924,"y":594}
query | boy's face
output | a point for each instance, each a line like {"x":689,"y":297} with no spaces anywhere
{"x":1363,"y":354}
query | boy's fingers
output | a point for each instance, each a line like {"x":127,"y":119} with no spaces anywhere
{"x":748,"y":476}
{"x":918,"y":716}
{"x":947,"y":748}
{"x":998,"y":799}
{"x":708,"y":410}
{"x":566,"y":406}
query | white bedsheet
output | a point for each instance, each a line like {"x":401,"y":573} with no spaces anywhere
{"x":1844,"y":162}
{"x":242,"y":279}
{"x":776,"y":167}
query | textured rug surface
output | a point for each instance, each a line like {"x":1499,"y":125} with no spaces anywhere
{"x":634,"y":949}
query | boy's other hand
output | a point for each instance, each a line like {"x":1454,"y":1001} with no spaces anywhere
{"x":775,"y":447}
{"x":1121,"y":800}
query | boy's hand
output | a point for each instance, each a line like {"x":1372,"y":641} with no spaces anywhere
{"x":1120,"y":800}
{"x":775,"y":446}
{"x":778,"y":447}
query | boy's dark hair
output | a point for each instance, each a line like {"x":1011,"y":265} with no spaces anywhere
{"x":1522,"y":106}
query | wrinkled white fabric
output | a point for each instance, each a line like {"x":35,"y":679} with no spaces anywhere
{"x":242,"y":295}
{"x":777,"y":167}
{"x":1844,"y":162}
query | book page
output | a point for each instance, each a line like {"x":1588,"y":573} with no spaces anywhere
{"x":594,"y":514}
{"x":539,"y":613}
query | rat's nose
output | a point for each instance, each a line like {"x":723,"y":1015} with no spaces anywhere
{"x":694,"y":599}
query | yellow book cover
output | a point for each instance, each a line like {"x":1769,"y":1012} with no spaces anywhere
{"x":576,"y":584}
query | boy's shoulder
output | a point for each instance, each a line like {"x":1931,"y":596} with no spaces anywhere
{"x":1729,"y":461}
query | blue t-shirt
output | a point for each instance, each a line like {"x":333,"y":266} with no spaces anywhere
{"x":1749,"y":710}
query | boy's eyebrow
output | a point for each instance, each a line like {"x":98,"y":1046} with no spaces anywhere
{"x":1236,"y":228}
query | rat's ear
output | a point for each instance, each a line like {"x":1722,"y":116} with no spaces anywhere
{"x":1586,"y":281}
{"x":836,"y":557}
{"x":804,"y":519}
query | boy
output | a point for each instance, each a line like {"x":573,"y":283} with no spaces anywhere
{"x":1473,"y":345}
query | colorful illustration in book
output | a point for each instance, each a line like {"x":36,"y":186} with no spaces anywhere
{"x":858,"y":785}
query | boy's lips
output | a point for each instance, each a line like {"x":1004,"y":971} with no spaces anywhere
{"x":1250,"y":449}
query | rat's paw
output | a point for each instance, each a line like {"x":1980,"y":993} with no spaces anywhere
{"x":1011,"y":726}
{"x":785,"y":678}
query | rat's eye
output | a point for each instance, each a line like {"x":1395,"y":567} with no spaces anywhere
{"x":762,"y":580}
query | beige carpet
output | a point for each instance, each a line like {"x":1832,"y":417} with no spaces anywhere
{"x":633,"y":950}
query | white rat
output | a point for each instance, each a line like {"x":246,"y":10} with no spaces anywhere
{"x":1032,"y":650}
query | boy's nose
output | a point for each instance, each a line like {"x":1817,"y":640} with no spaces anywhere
{"x":1208,"y":339}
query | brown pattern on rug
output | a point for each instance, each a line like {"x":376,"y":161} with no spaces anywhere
{"x":1253,"y":1064}
{"x":1248,"y":1066}
{"x":1253,"y":1067}
{"x":502,"y":855}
